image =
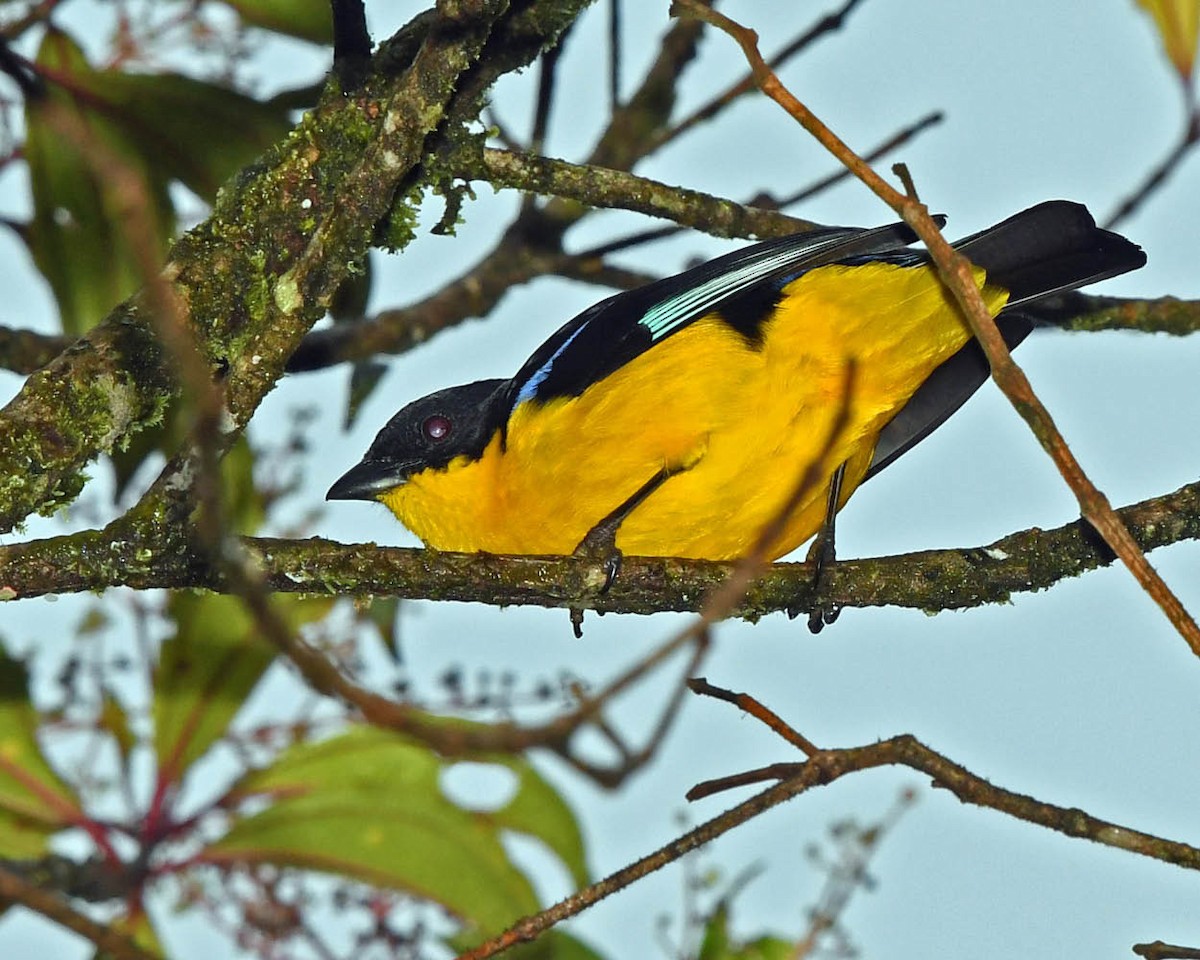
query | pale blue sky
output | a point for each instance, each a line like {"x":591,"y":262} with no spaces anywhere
{"x":1082,"y":695}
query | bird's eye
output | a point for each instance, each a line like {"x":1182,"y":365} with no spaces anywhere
{"x":436,"y":427}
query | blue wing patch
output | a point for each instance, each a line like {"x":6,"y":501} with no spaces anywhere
{"x":529,"y":388}
{"x":741,"y":286}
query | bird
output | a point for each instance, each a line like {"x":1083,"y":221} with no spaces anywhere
{"x":676,"y":419}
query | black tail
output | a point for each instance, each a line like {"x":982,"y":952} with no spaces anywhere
{"x":1046,"y":249}
{"x":1050,"y":248}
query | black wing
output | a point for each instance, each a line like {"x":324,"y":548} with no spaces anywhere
{"x":741,"y":286}
{"x":948,"y":388}
{"x":1044,"y":250}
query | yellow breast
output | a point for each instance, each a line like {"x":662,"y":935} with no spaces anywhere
{"x":746,"y":420}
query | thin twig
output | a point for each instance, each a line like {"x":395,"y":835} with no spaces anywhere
{"x":324,"y":676}
{"x":547,"y":73}
{"x":614,"y":55}
{"x":1159,"y":175}
{"x":829,"y":23}
{"x":722,"y":601}
{"x":614,"y":776}
{"x":956,"y":272}
{"x":529,"y":928}
{"x":768,"y":202}
{"x":601,"y":187}
{"x":824,"y":768}
{"x":756,"y":709}
{"x":1166,"y":951}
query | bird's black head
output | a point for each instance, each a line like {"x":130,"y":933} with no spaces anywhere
{"x":428,"y":433}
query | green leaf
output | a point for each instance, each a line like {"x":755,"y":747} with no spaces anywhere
{"x":115,"y":722}
{"x":207,"y":670}
{"x":160,"y":127}
{"x":77,"y":236}
{"x":717,"y":944}
{"x":34,"y":801}
{"x":24,"y":839}
{"x":140,"y":929}
{"x":198,"y":133}
{"x":306,"y":19}
{"x":538,"y":810}
{"x":368,"y":804}
{"x":243,"y":502}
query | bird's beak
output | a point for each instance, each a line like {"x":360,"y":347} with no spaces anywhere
{"x":366,"y":481}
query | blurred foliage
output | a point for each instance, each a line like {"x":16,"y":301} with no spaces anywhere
{"x":35,"y":802}
{"x":363,"y":804}
{"x":305,"y":19}
{"x":162,"y":128}
{"x":370,"y":804}
{"x":719,"y":943}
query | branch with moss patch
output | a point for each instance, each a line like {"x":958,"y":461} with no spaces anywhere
{"x":929,"y":580}
{"x":1079,"y":311}
{"x":604,"y":187}
{"x":259,"y":272}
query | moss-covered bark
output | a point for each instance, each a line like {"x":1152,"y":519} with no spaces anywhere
{"x":932,"y":580}
{"x":257,"y":274}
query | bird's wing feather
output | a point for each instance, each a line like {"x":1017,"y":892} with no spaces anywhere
{"x":613,"y":332}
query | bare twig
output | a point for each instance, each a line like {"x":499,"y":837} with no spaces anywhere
{"x":631,"y":761}
{"x":769,"y":202}
{"x":1081,"y":311}
{"x":756,"y":709}
{"x":23,"y":351}
{"x":824,"y":768}
{"x":722,"y":601}
{"x":557,"y":735}
{"x":603,"y":187}
{"x":829,"y":23}
{"x":1159,"y":175}
{"x":529,"y":928}
{"x":956,"y":272}
{"x":614,"y":55}
{"x":1166,"y":951}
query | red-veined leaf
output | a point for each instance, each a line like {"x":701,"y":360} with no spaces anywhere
{"x":34,"y":800}
{"x":207,"y":670}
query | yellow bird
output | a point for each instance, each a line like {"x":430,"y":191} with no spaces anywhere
{"x":685,"y":411}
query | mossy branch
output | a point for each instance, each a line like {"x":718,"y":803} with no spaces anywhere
{"x":929,"y":580}
{"x":257,"y":274}
{"x":1081,"y":311}
{"x":605,"y":187}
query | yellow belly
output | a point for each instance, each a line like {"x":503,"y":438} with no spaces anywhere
{"x":745,"y":422}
